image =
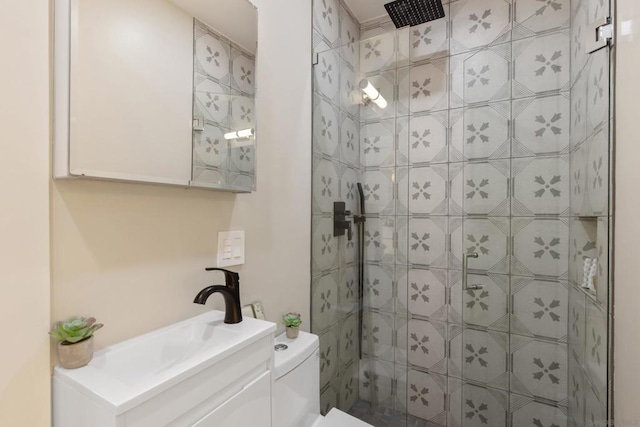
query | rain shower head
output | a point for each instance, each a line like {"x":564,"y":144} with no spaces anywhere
{"x":414,"y":12}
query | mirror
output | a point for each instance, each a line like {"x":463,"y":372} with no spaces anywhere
{"x":224,"y":111}
{"x":159,"y":91}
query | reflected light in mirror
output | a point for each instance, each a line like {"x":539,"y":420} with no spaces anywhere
{"x":373,"y":94}
{"x":245,"y":133}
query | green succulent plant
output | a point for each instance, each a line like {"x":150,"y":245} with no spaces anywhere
{"x":75,"y":329}
{"x":291,"y":320}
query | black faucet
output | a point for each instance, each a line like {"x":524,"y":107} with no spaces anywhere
{"x":231,"y":293}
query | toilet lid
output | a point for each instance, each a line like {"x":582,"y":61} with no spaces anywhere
{"x":337,"y":418}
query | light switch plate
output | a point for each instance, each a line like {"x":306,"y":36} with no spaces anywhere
{"x":230,"y":248}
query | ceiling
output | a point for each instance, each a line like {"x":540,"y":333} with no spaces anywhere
{"x":365,"y":10}
{"x":235,"y":19}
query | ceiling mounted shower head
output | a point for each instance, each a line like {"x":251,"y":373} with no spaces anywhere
{"x":414,"y":12}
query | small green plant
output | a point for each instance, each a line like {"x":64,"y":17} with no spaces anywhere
{"x":75,"y":329}
{"x":291,"y":320}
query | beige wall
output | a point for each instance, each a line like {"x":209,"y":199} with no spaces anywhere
{"x":627,"y":236}
{"x":134,"y":255}
{"x":24,"y":213}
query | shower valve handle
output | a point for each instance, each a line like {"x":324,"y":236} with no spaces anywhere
{"x":340,"y":221}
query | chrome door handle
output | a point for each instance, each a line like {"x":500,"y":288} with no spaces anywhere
{"x":465,"y":263}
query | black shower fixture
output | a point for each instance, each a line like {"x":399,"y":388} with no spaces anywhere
{"x":414,"y":12}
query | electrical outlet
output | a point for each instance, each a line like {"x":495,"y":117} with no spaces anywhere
{"x":247,"y":311}
{"x":258,"y":310}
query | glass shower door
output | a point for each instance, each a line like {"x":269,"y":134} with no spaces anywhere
{"x":530,"y":247}
{"x":480,"y":227}
{"x":590,"y":314}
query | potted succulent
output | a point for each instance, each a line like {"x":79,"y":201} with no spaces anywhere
{"x":292,"y":323}
{"x":75,"y":336}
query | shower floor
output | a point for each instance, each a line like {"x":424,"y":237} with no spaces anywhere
{"x":379,"y":416}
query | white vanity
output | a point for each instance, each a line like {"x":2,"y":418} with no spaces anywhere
{"x":199,"y":372}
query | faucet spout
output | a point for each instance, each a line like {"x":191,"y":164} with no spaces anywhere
{"x":231,"y":294}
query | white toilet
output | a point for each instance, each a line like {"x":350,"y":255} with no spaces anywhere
{"x":296,"y":393}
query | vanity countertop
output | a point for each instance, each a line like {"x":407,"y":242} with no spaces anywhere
{"x":124,"y":375}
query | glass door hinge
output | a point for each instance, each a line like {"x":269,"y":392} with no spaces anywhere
{"x":599,"y":35}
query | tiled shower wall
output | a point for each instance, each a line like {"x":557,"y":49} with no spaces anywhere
{"x":473,"y":154}
{"x":336,"y":170}
{"x":591,"y":215}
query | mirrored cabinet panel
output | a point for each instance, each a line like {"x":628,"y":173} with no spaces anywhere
{"x":156,"y":91}
{"x":224,"y":129}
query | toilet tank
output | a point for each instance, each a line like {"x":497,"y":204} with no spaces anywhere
{"x":296,"y":393}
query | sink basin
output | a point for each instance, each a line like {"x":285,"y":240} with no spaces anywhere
{"x":125,"y":374}
{"x":146,"y":358}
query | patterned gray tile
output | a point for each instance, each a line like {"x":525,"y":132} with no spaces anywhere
{"x":426,"y":395}
{"x":481,"y":357}
{"x":376,"y":382}
{"x":540,"y":186}
{"x":324,"y":247}
{"x":424,"y":88}
{"x":540,"y":247}
{"x":478,"y":24}
{"x":540,"y":308}
{"x":326,"y":20}
{"x":430,"y":40}
{"x":326,"y":76}
{"x":326,"y":310}
{"x":378,"y":334}
{"x":424,"y":239}
{"x":533,"y":17}
{"x":489,"y":238}
{"x":378,"y":187}
{"x":349,"y":141}
{"x":541,"y":125}
{"x":349,"y":388}
{"x":425,"y":188}
{"x":481,"y":132}
{"x":349,"y":39}
{"x":326,"y":127}
{"x":478,"y":407}
{"x":243,"y":72}
{"x":377,"y":51}
{"x":541,"y":64}
{"x":423,"y":138}
{"x":487,"y":76}
{"x":426,"y":343}
{"x":379,"y":287}
{"x":326,"y":185}
{"x":529,"y":412}
{"x":425,"y":291}
{"x":482,"y":188}
{"x":486,"y":307}
{"x":379,"y":239}
{"x":539,"y":368}
{"x":328,"y":357}
{"x":213,"y":56}
{"x":378,"y":144}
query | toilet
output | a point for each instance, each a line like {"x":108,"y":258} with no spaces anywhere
{"x":296,"y":392}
